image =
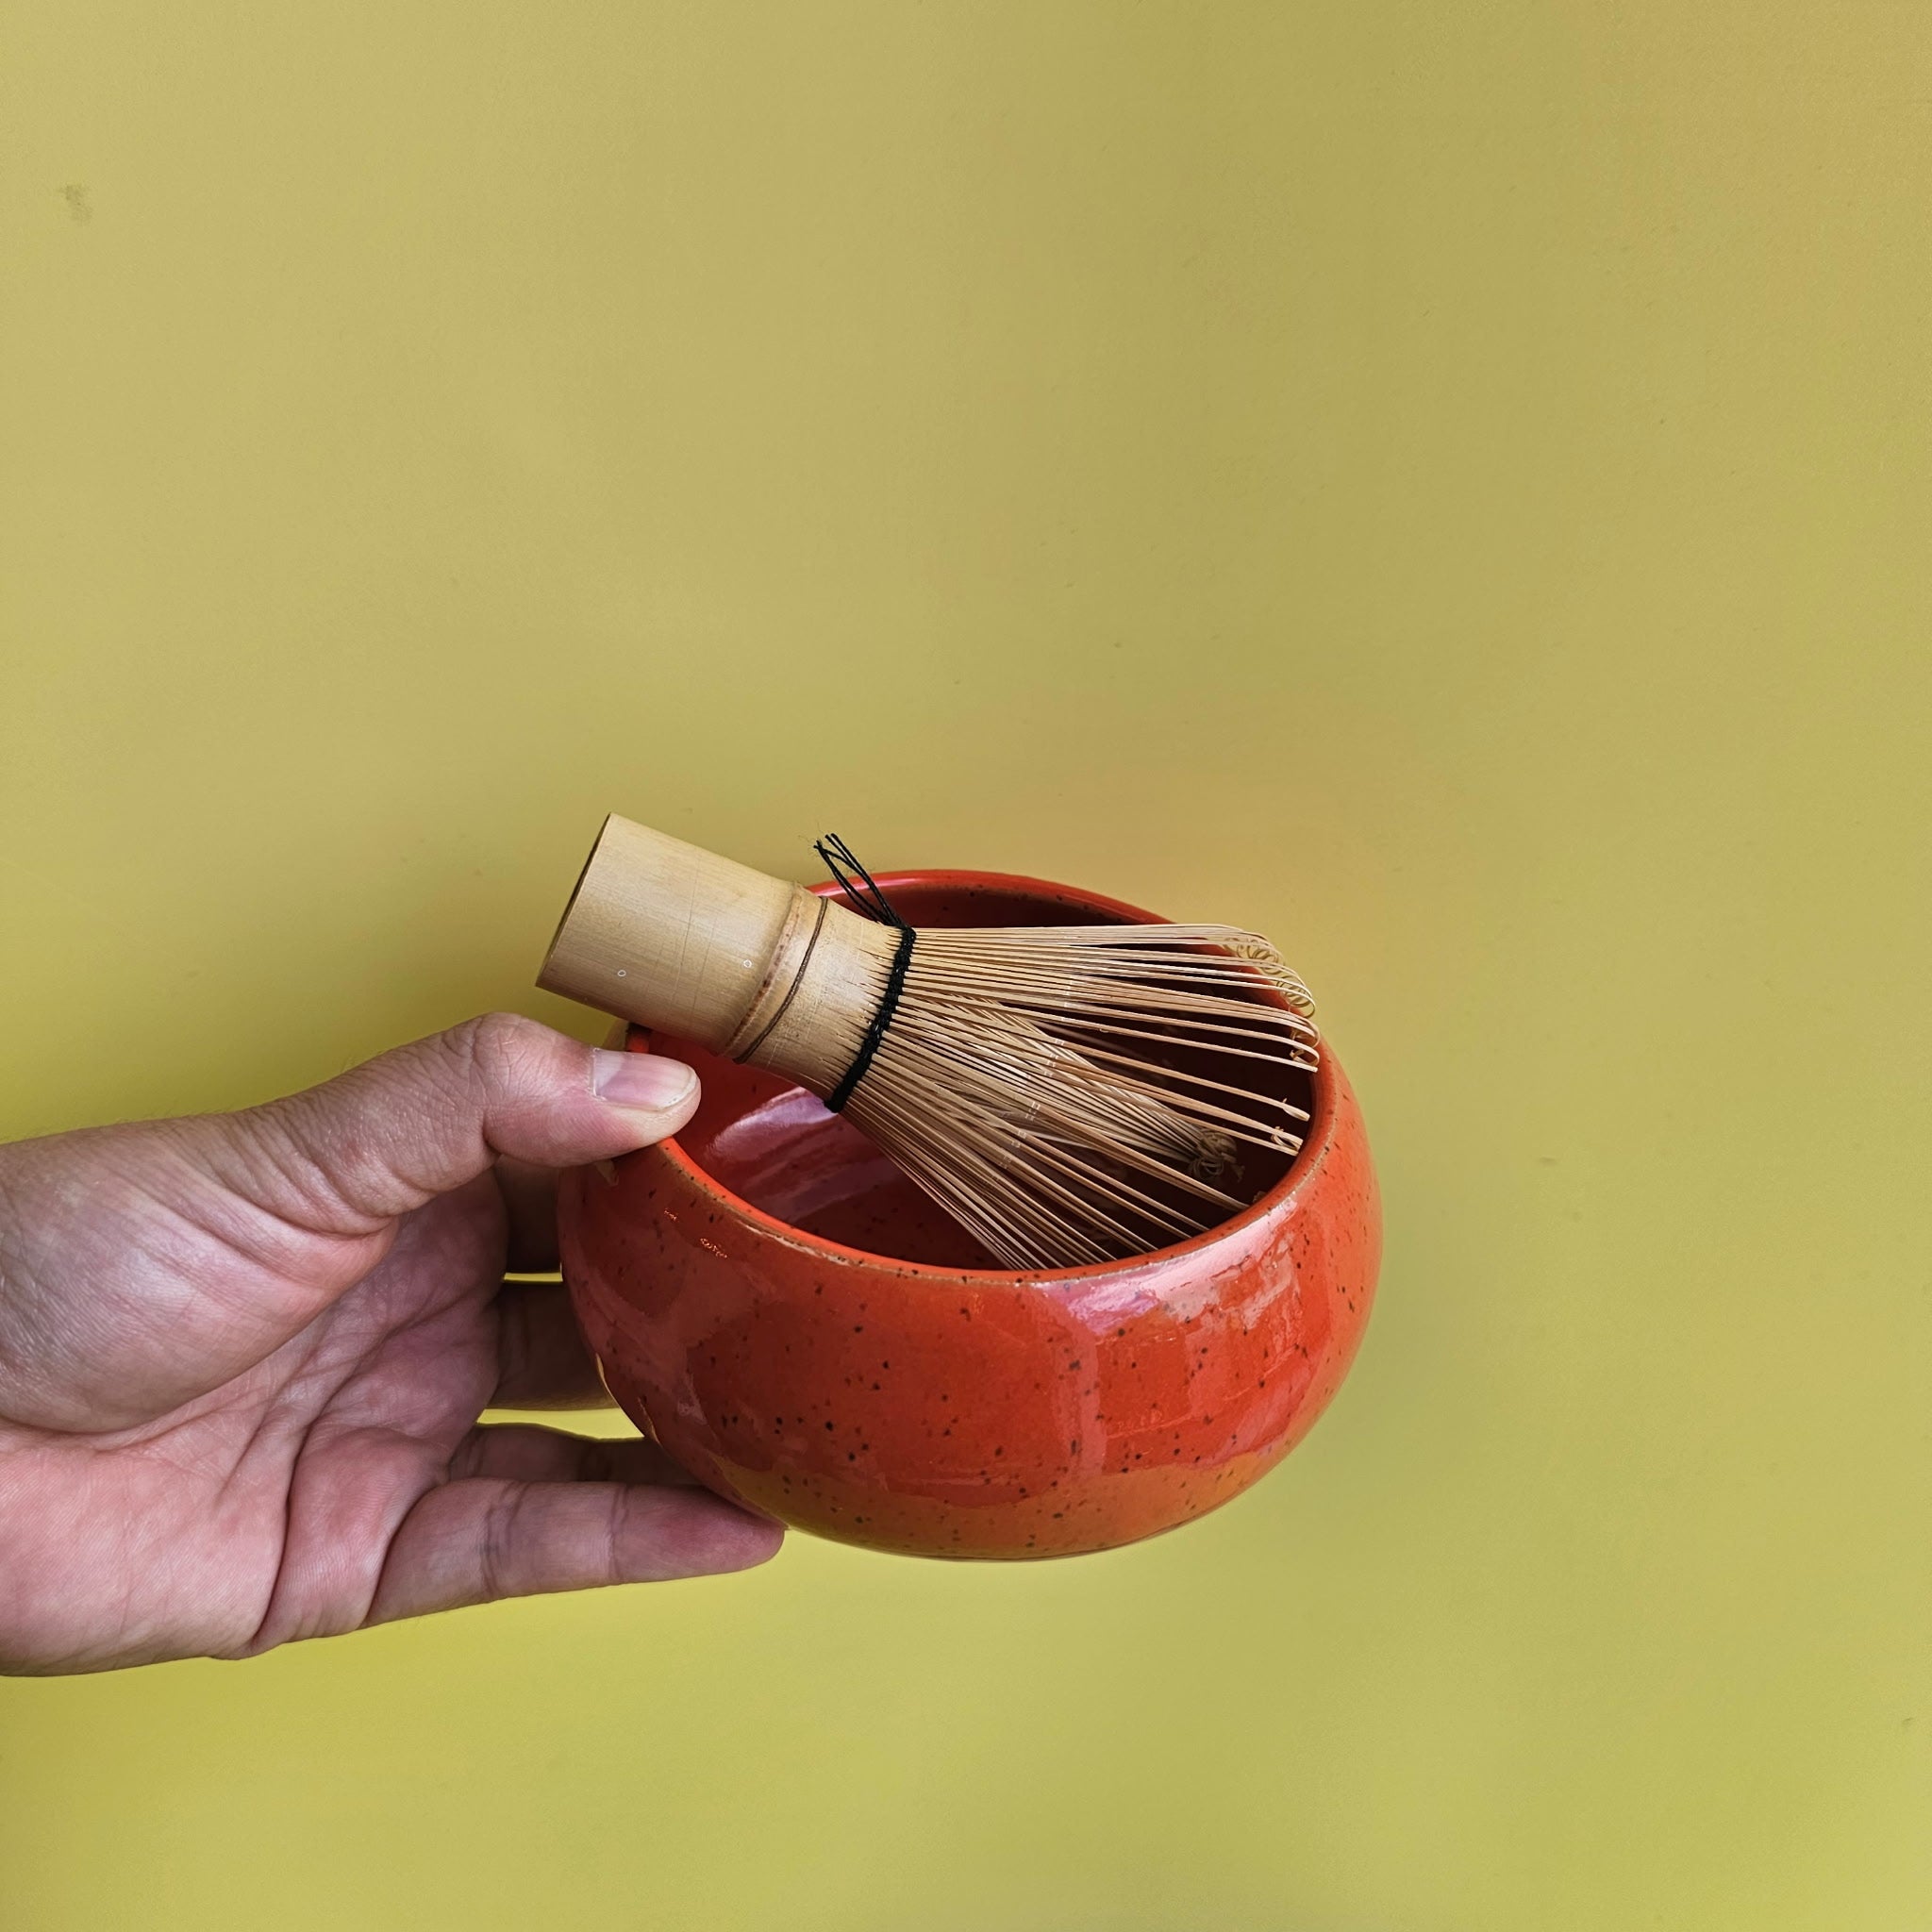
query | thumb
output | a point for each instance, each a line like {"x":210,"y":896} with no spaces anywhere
{"x":355,"y":1153}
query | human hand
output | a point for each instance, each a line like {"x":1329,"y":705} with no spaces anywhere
{"x":243,"y":1358}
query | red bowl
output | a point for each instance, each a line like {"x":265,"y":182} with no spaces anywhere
{"x":776,"y":1305}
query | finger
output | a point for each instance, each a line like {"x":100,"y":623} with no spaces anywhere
{"x":350,"y":1155}
{"x":544,"y":1361}
{"x":529,"y":1202}
{"x":486,"y":1538}
{"x":527,"y":1453}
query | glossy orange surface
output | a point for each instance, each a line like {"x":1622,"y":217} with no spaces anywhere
{"x":793,"y":1321}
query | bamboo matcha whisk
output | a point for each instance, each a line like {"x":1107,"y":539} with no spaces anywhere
{"x":1071,"y":1094}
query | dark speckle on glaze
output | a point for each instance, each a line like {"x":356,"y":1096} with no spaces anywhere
{"x":932,"y":1405}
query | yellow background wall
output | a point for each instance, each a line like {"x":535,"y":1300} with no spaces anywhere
{"x":1445,"y":484}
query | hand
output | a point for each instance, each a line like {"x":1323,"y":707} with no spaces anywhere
{"x":241,"y":1360}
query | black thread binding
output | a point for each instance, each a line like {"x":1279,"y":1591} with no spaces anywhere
{"x":839,"y":857}
{"x":896,"y":985}
{"x":842,"y":863}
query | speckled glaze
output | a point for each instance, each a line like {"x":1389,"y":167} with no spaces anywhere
{"x":930,"y":1406}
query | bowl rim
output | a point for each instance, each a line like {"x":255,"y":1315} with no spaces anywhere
{"x":1277,"y":1203}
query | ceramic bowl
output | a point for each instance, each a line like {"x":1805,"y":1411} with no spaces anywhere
{"x":774,"y":1302}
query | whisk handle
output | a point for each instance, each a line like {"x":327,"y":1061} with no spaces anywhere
{"x":670,"y":936}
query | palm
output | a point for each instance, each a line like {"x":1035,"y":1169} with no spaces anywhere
{"x":261,"y":1422}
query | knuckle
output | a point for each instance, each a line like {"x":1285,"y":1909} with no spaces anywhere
{"x":617,"y":1522}
{"x":500,"y":1052}
{"x":497,"y":1549}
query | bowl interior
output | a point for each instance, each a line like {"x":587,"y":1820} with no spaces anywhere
{"x":777,"y":1146}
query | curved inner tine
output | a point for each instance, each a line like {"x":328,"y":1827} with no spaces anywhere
{"x":1079,"y":1094}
